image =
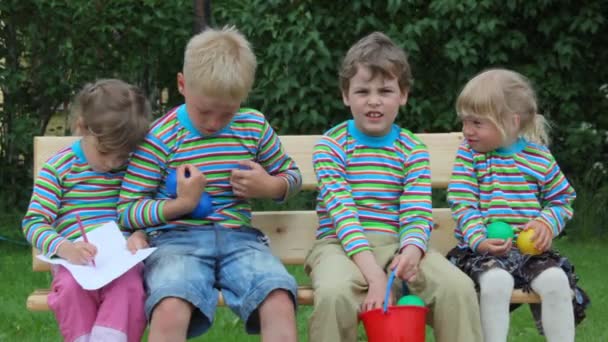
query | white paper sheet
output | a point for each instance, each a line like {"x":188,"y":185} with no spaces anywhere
{"x":113,"y":259}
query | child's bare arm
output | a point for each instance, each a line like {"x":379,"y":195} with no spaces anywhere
{"x":376,"y":279}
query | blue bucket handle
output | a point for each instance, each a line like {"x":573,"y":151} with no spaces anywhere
{"x":389,"y":285}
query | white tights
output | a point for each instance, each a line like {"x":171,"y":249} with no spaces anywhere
{"x":496,"y":286}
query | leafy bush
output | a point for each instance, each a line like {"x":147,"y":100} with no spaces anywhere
{"x":557,"y":45}
{"x":48,"y":49}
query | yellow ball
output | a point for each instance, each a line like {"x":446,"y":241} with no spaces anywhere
{"x":525,"y":244}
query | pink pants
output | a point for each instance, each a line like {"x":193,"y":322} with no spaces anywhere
{"x":113,"y":313}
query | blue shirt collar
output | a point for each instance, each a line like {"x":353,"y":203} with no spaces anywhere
{"x":77,"y":148}
{"x":514,"y":148}
{"x":184,"y":119}
{"x":385,"y":140}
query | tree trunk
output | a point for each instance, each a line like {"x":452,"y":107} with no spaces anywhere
{"x":202,"y":15}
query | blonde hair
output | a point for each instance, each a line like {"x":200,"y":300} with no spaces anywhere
{"x":220,"y":64}
{"x":498,"y":95}
{"x":115,"y":112}
{"x":377,"y":52}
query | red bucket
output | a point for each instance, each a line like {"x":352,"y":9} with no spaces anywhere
{"x":397,"y":324}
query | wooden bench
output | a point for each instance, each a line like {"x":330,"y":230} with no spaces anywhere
{"x":292,"y":232}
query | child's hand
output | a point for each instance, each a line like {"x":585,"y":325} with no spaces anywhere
{"x":375,"y":294}
{"x":190,"y":189}
{"x":77,"y":253}
{"x":252,"y":181}
{"x":497,"y":247}
{"x":543,"y":236}
{"x":136,"y":241}
{"x":406,"y":263}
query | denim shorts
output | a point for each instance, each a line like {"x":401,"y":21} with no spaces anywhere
{"x":193,"y":263}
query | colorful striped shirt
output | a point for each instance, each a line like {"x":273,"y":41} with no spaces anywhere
{"x":173,"y":140}
{"x":514,"y":185}
{"x":67,"y":186}
{"x":372,"y":185}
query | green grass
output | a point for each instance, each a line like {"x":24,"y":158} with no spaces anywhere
{"x":18,"y":324}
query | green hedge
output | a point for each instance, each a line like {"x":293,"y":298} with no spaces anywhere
{"x":51,"y":47}
{"x":561,"y":46}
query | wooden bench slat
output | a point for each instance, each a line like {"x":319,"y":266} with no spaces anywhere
{"x":37,"y":301}
{"x":292,"y":234}
{"x":442,"y":149}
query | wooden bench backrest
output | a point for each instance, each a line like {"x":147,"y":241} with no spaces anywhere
{"x":292,"y":232}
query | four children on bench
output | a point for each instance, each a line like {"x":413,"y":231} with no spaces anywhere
{"x":374,"y":206}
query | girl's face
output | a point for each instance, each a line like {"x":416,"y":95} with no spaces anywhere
{"x":481,"y":134}
{"x":374,"y":102}
{"x":102,"y":161}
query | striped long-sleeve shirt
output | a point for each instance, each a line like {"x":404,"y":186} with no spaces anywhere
{"x":514,"y":185}
{"x":372,"y":185}
{"x":173,"y":140}
{"x":67,"y":186}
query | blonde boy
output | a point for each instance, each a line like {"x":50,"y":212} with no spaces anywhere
{"x":233,"y":155}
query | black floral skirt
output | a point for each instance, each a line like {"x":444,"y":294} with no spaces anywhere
{"x":524,"y":268}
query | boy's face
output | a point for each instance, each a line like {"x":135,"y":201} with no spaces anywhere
{"x":208,"y":114}
{"x":481,"y":134}
{"x":375,"y":102}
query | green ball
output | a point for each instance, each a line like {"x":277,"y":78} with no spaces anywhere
{"x":410,"y":300}
{"x":500,"y":230}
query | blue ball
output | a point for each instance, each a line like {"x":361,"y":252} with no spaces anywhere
{"x":171,"y":183}
{"x":204,"y":207}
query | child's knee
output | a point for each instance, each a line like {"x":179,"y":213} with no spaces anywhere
{"x":496,"y":281}
{"x":336,"y":292}
{"x":67,"y":287}
{"x":552,"y":282}
{"x":459,"y":285}
{"x":130,"y":285}
{"x":67,"y":293}
{"x":279,"y":298}
{"x":172,"y":309}
{"x":278,"y":301}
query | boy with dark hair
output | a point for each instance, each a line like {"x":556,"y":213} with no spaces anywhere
{"x":374,"y":208}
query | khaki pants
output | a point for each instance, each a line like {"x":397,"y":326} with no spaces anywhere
{"x":339,"y":289}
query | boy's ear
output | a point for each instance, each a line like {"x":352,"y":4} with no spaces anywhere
{"x":181,"y":83}
{"x":345,"y":98}
{"x":404,"y":96}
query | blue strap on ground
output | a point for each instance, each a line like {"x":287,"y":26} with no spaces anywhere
{"x":16,"y":242}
